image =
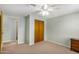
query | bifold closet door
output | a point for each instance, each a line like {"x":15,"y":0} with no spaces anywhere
{"x":39,"y":31}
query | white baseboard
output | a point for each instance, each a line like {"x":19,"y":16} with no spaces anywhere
{"x":59,"y":43}
{"x":20,"y":42}
{"x":6,"y":41}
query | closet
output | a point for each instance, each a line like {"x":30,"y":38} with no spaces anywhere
{"x":39,"y":31}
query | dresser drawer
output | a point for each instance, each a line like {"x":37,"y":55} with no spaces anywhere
{"x":75,"y":48}
{"x":75,"y":45}
{"x":75,"y":42}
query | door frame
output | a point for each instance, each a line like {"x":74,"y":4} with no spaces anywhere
{"x":1,"y":30}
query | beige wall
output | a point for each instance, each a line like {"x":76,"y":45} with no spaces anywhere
{"x":61,"y":29}
{"x":27,"y":25}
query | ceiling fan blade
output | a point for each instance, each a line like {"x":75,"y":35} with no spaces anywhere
{"x":56,"y":8}
{"x":52,"y":5}
{"x":33,"y":5}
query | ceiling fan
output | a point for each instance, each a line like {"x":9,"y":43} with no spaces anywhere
{"x":45,"y":9}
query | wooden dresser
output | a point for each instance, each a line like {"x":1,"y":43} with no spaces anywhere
{"x":75,"y":44}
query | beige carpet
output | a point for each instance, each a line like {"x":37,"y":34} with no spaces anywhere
{"x":38,"y":48}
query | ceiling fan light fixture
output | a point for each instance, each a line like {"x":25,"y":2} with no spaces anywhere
{"x":44,"y":13}
{"x":50,"y":9}
{"x":45,"y":6}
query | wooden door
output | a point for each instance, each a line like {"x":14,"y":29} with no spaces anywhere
{"x":0,"y":31}
{"x":39,"y":31}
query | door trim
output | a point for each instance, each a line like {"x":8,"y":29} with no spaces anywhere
{"x":1,"y":30}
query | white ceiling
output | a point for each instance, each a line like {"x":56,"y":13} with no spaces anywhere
{"x":25,"y":9}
